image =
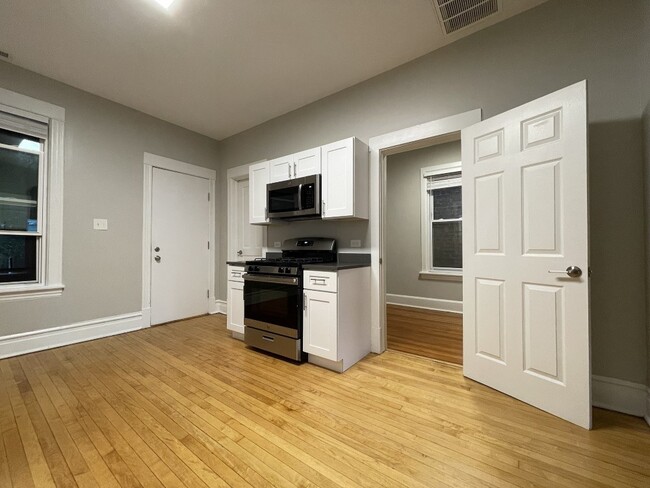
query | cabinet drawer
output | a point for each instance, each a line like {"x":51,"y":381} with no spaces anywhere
{"x":236,"y":273}
{"x":320,"y":280}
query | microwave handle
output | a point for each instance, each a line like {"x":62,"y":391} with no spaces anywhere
{"x":300,"y":196}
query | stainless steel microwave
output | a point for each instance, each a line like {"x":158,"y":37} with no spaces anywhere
{"x":294,"y":199}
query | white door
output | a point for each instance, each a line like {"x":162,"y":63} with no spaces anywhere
{"x":338,"y":179}
{"x":306,"y":163}
{"x":525,"y":320}
{"x":320,"y":324}
{"x":179,"y":235}
{"x":258,"y":175}
{"x":280,"y":169}
{"x":248,"y":238}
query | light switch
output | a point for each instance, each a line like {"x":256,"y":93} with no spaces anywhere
{"x":355,"y":243}
{"x":277,"y":244}
{"x":100,"y":224}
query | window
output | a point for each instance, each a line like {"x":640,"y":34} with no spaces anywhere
{"x":31,"y":163}
{"x":442,"y":220}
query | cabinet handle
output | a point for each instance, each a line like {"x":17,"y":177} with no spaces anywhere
{"x":323,"y":205}
{"x":289,"y":169}
{"x":266,"y":213}
{"x":304,"y":302}
{"x":295,"y":173}
{"x":318,"y":281}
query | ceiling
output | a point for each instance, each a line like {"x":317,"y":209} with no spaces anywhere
{"x":219,"y":67}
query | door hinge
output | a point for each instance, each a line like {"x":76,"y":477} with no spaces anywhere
{"x":208,"y":197}
{"x":381,"y":261}
{"x":208,"y":244}
{"x":208,"y":293}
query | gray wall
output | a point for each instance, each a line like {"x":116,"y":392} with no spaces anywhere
{"x":403,"y":258}
{"x":549,"y":47}
{"x":104,"y":147}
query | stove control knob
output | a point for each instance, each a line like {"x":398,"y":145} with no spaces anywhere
{"x":280,"y":270}
{"x":256,"y":268}
{"x":250,"y":268}
{"x":287,"y":270}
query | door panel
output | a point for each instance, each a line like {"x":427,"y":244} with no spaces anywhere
{"x":249,"y":237}
{"x":280,"y":169}
{"x":320,"y":324}
{"x":526,"y":322}
{"x":307,"y":163}
{"x":235,"y":307}
{"x":180,"y":230}
{"x":338,"y":179}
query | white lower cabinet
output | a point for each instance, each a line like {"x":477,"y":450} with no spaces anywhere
{"x":235,"y":306}
{"x":336,"y":323}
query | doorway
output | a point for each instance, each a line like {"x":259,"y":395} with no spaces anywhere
{"x":423,"y":255}
{"x":245,"y":241}
{"x":178,"y":240}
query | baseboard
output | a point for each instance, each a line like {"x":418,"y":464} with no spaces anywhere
{"x":17,"y":344}
{"x":619,"y":395}
{"x":220,"y":306}
{"x":428,"y":303}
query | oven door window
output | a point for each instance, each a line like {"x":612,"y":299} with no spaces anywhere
{"x":284,"y":200}
{"x":273,"y":303}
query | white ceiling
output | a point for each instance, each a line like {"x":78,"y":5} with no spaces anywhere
{"x":218,"y":67}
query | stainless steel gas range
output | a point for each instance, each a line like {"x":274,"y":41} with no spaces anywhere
{"x":273,"y":295}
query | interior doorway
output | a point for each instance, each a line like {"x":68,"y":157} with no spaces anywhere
{"x":245,"y":241}
{"x":423,"y":254}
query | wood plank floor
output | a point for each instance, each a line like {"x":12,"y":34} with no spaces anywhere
{"x":435,"y":335}
{"x":186,"y":405}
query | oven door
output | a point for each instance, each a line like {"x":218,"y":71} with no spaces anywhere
{"x":274,"y":304}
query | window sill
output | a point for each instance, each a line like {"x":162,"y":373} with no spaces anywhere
{"x":441,"y":275}
{"x":19,"y":292}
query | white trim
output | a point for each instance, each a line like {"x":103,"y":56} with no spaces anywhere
{"x":441,"y":275}
{"x":17,"y":344}
{"x":220,"y":306}
{"x":153,"y":161}
{"x":436,"y":132}
{"x":233,"y":176}
{"x":50,"y":219}
{"x":436,"y":304}
{"x":618,"y":395}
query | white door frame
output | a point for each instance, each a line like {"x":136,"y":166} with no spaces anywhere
{"x":152,"y":161}
{"x":416,"y":137}
{"x":233,"y":175}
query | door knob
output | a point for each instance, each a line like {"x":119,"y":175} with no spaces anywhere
{"x":240,"y":252}
{"x":157,"y":249}
{"x":157,"y":259}
{"x":571,"y":271}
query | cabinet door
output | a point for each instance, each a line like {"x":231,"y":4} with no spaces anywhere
{"x":306,"y":163}
{"x":280,"y":169}
{"x":338,"y":179}
{"x":258,"y":177}
{"x":320,"y":324}
{"x":235,"y":307}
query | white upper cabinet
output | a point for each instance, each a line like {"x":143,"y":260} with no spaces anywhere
{"x":258,"y":177}
{"x":345,"y":179}
{"x":304,"y":163}
{"x":280,"y":169}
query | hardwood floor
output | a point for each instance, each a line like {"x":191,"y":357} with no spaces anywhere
{"x":186,"y":405}
{"x":435,"y":335}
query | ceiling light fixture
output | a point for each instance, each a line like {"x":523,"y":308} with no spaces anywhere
{"x":165,"y":3}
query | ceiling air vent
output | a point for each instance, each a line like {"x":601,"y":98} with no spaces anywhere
{"x":457,"y":14}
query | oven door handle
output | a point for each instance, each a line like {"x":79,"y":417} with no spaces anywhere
{"x":279,"y":280}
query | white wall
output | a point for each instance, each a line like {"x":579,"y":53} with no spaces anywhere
{"x":104,"y":148}
{"x":403,"y":256}
{"x":528,"y":56}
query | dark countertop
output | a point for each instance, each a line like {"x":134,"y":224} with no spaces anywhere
{"x":334,"y":266}
{"x":236,"y":263}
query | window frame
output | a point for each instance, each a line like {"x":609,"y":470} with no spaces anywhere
{"x":50,"y":214}
{"x":426,"y":211}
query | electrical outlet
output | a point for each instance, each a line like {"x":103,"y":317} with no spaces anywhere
{"x":277,"y":244}
{"x":100,"y":224}
{"x":355,"y":243}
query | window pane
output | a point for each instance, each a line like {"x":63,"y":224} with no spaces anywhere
{"x":15,"y":139}
{"x":447,"y":244}
{"x":18,"y":190}
{"x":17,"y":258}
{"x":447,"y":203}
